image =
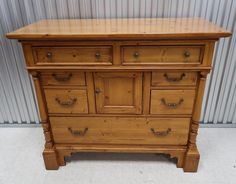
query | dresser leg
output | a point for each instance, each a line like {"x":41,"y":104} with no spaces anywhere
{"x":50,"y":159}
{"x":191,"y":161}
{"x":180,"y":161}
{"x":61,"y":159}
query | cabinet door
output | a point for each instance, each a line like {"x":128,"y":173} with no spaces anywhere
{"x":118,"y":92}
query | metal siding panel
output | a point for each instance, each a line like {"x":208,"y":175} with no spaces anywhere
{"x":62,"y":9}
{"x":51,"y":11}
{"x":16,"y":87}
{"x":226,"y":53}
{"x":160,"y":8}
{"x":73,"y":6}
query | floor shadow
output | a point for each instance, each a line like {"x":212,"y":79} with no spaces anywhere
{"x":120,"y":157}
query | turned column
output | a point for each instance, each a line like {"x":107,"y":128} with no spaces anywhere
{"x":192,"y":155}
{"x":49,"y":153}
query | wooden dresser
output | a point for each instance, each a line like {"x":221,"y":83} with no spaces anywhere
{"x":120,"y":85}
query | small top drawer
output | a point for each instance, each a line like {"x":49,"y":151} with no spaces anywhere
{"x":73,"y":55}
{"x":162,"y":54}
{"x":66,"y":78}
{"x":174,"y":78}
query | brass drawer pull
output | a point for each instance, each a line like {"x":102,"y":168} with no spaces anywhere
{"x":67,"y":103}
{"x":136,"y":54}
{"x":187,"y":54}
{"x":62,"y":78}
{"x":97,"y":55}
{"x":160,"y":133}
{"x":172,"y":105}
{"x":169,"y":79}
{"x":49,"y":55}
{"x":78,"y":132}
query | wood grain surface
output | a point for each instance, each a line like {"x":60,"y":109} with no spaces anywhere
{"x":120,"y":130}
{"x":144,"y":28}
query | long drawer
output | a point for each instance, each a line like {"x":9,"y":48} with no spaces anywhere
{"x":161,"y":54}
{"x":120,"y":130}
{"x":73,"y":55}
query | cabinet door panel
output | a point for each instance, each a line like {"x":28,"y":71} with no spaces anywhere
{"x":118,"y":92}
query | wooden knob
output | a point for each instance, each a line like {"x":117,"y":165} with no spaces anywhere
{"x":136,"y":54}
{"x":187,"y":54}
{"x":97,"y":55}
{"x":49,"y":55}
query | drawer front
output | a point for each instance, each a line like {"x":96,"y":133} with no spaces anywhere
{"x":120,"y":130}
{"x":66,"y":101}
{"x":73,"y":55}
{"x":174,"y":78}
{"x":172,"y":101}
{"x":63,"y":78}
{"x":161,"y":54}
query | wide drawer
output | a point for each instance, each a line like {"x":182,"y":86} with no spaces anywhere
{"x":73,"y":55}
{"x":120,"y":130}
{"x":172,"y":101}
{"x":63,"y":78}
{"x":174,"y":78}
{"x":161,"y":54}
{"x":66,"y":100}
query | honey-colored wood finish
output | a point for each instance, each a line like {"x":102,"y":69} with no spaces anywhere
{"x":146,"y":92}
{"x":65,"y":150}
{"x":90,"y":91}
{"x":161,"y":54}
{"x":68,"y":78}
{"x":69,"y":55}
{"x":66,"y":100}
{"x":120,"y":85}
{"x":168,"y":78}
{"x":192,"y":155}
{"x":172,"y":101}
{"x":126,"y":29}
{"x":122,"y":130}
{"x":118,"y":92}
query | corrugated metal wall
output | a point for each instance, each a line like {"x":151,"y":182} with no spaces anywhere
{"x":17,"y":102}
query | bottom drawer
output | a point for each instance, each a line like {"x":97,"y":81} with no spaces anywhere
{"x":120,"y":130}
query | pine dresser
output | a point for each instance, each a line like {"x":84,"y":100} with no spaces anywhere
{"x":120,"y":85}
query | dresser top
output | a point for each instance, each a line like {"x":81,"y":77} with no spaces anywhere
{"x":143,"y":28}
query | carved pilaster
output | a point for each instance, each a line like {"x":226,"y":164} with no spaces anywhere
{"x":192,"y":156}
{"x":43,"y":111}
{"x":49,"y":153}
{"x":193,"y":135}
{"x":197,"y":110}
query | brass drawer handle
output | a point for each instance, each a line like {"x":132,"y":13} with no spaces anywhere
{"x":160,"y":133}
{"x":49,"y":55}
{"x":69,"y":102}
{"x":78,"y":132}
{"x":62,"y":78}
{"x":172,"y":105}
{"x":187,"y":54}
{"x":136,"y":54}
{"x":97,"y":55}
{"x":169,"y":79}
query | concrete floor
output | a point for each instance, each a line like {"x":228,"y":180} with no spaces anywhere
{"x":21,"y":162}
